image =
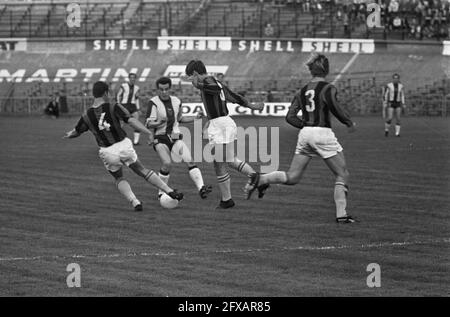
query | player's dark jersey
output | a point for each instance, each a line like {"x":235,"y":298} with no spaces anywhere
{"x":316,"y":100}
{"x":104,"y":122}
{"x":215,"y":96}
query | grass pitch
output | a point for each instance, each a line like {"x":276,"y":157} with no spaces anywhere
{"x":58,"y":205}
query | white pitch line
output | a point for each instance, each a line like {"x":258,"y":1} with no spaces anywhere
{"x":127,"y":59}
{"x":227,"y":251}
{"x":347,"y":66}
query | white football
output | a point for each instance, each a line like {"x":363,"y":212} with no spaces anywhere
{"x":167,"y":202}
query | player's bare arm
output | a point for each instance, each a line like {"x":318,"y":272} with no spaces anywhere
{"x":152,"y":124}
{"x":119,"y":95}
{"x":138,"y":102}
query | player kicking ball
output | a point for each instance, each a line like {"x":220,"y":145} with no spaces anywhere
{"x":163,"y":115}
{"x":316,"y":100}
{"x":103,"y":120}
{"x":221,"y":129}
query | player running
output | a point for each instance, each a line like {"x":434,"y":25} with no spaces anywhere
{"x":221,"y":129}
{"x":163,"y":115}
{"x":395,"y":99}
{"x":128,"y":96}
{"x":103,"y":120}
{"x":316,"y":100}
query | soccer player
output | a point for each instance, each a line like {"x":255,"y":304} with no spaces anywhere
{"x":128,"y":96}
{"x":221,"y":129}
{"x":103,"y":120}
{"x":316,"y":100}
{"x":163,"y":115}
{"x":395,"y":98}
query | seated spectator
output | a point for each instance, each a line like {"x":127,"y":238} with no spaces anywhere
{"x":270,"y":97}
{"x":269,"y":31}
{"x":52,"y":109}
{"x":418,"y":33}
{"x":443,"y":32}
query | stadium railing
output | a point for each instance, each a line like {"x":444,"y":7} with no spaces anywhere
{"x":430,"y":105}
{"x":74,"y":105}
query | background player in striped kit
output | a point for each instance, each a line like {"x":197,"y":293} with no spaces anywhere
{"x":128,"y":96}
{"x":316,"y":100}
{"x":395,"y":99}
{"x":163,"y":115}
{"x":221,"y":129}
{"x":103,"y":120}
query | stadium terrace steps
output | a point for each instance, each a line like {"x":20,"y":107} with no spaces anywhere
{"x":253,"y":74}
{"x":216,"y":18}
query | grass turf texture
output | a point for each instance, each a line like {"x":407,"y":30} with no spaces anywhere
{"x":58,"y":205}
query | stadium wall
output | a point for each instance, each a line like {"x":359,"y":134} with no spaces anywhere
{"x":246,"y":63}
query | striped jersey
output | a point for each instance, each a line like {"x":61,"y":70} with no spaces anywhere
{"x":394,"y":93}
{"x":127,"y":94}
{"x":215,"y":96}
{"x":104,"y":122}
{"x":316,"y":100}
{"x":167,"y":110}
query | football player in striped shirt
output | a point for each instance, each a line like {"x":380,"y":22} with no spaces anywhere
{"x":316,"y":100}
{"x":128,"y":96}
{"x":103,"y":119}
{"x":163,"y":115}
{"x":394,"y":96}
{"x":221,"y":129}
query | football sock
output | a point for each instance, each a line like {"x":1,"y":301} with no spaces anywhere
{"x":242,"y":167}
{"x":165,"y":178}
{"x":125,"y":189}
{"x":276,"y":177}
{"x":196,"y":176}
{"x":397,"y":129}
{"x":154,"y":179}
{"x":387,"y":126}
{"x":224,"y":182}
{"x":136,"y":137}
{"x":340,"y":198}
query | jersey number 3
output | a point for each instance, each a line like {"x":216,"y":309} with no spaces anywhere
{"x":311,"y":104}
{"x":102,"y":124}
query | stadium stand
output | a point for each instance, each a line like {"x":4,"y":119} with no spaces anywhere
{"x":424,"y":19}
{"x":360,"y":87}
{"x":253,"y":75}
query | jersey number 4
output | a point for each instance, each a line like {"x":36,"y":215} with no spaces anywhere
{"x":311,"y":104}
{"x":102,"y":124}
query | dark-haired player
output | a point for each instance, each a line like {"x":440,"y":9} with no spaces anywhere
{"x":394,"y":96}
{"x":316,"y":100}
{"x":221,"y":129}
{"x":128,"y":96}
{"x":163,"y":115}
{"x":103,"y":120}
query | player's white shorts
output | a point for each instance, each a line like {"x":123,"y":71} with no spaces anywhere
{"x":313,"y":141}
{"x":222,"y":130}
{"x":116,"y":155}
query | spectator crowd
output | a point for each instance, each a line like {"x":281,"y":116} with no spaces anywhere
{"x":417,"y":19}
